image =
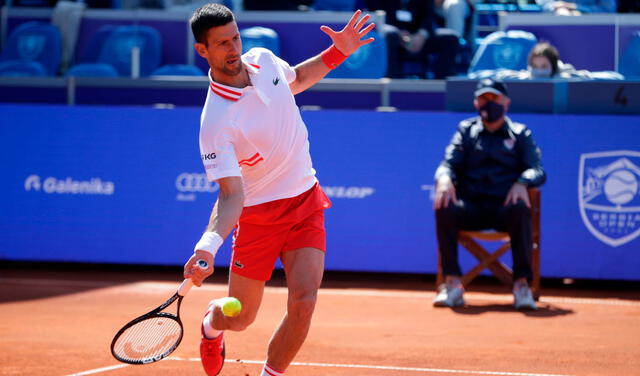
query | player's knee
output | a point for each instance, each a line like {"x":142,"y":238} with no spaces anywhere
{"x":302,"y":306}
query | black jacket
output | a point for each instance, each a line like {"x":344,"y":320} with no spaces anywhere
{"x":421,"y":10}
{"x":485,"y":165}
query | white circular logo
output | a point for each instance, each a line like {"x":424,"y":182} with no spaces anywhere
{"x":620,"y":187}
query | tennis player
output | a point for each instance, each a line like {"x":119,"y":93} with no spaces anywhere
{"x":254,"y":144}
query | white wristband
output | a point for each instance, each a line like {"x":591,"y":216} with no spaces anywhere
{"x":210,"y":242}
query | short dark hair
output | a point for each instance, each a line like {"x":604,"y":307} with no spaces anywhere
{"x":547,"y":50}
{"x":208,"y":16}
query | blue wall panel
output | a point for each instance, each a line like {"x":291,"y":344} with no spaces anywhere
{"x":125,"y":185}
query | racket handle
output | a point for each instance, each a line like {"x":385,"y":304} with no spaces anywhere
{"x":187,"y":284}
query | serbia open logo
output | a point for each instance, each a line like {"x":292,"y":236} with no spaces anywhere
{"x":609,"y":195}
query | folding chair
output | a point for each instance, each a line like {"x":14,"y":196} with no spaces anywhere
{"x":469,"y":240}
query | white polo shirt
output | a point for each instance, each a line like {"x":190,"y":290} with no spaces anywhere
{"x":257,"y":132}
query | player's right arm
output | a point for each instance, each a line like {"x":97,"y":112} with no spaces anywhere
{"x":228,"y":207}
{"x":218,"y":155}
{"x":224,"y":216}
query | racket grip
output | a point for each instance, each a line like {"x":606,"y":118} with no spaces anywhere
{"x":187,"y":284}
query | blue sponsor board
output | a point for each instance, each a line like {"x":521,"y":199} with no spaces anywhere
{"x":126,"y":185}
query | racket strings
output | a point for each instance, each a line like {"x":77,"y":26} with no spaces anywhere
{"x":148,"y":339}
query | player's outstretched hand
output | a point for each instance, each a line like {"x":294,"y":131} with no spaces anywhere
{"x":194,"y":271}
{"x":349,"y":39}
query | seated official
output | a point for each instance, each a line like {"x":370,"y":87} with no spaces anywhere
{"x":482,"y":184}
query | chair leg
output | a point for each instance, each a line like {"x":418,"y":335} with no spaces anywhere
{"x":439,"y":275}
{"x":487,"y":260}
{"x":535,"y":265}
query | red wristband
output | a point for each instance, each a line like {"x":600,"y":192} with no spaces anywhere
{"x":332,"y":57}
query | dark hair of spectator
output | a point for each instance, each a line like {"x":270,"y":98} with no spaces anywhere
{"x":547,"y":50}
{"x":206,"y":17}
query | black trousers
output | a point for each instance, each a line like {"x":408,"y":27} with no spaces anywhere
{"x":485,"y":215}
{"x":444,"y":45}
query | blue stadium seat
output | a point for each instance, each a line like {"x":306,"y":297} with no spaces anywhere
{"x":96,"y":43}
{"x":335,"y":5}
{"x":35,"y":41}
{"x":370,"y":61}
{"x":92,"y":70}
{"x":178,"y":70}
{"x":21,"y":68}
{"x":630,"y":59}
{"x":506,"y":50}
{"x":89,"y":67}
{"x":120,"y":42}
{"x":258,"y":36}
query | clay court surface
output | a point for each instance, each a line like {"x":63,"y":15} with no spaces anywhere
{"x":60,"y":321}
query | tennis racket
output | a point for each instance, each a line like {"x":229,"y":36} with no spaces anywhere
{"x":154,"y":335}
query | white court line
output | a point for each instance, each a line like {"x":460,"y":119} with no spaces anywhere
{"x":387,"y":368}
{"x":100,"y":370}
{"x":141,"y":286}
{"x":329,"y":365}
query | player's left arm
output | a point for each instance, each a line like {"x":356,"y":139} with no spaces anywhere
{"x":533,"y":174}
{"x":345,"y":42}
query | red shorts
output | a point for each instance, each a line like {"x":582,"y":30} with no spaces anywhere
{"x":265,"y":231}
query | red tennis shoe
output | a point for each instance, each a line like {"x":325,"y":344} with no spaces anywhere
{"x":212,"y":353}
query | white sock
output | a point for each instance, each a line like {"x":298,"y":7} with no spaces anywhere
{"x":268,"y":371}
{"x":209,"y":331}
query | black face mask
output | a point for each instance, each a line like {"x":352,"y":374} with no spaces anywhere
{"x":491,"y":111}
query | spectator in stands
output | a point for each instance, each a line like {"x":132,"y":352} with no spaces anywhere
{"x":544,"y":62}
{"x":454,"y":13}
{"x":411,"y":35}
{"x":482,"y":184}
{"x":578,"y":7}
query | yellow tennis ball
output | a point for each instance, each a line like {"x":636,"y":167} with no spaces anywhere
{"x":231,"y":307}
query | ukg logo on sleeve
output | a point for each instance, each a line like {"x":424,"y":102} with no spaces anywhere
{"x":609,"y":195}
{"x":69,"y":185}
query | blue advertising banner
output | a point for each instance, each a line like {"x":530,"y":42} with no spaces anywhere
{"x":125,"y":185}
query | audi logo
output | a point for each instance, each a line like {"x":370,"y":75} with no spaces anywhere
{"x":188,"y":182}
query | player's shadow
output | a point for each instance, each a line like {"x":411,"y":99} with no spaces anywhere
{"x":544,"y":310}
